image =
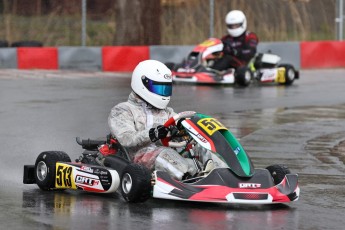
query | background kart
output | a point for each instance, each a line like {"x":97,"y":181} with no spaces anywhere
{"x":238,"y":183}
{"x":263,"y":68}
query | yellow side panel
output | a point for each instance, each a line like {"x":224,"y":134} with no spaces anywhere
{"x":281,"y":75}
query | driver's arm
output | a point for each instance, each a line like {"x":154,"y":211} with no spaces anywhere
{"x":122,"y":126}
{"x":248,"y":50}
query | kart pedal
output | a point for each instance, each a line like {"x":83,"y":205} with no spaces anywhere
{"x":208,"y":167}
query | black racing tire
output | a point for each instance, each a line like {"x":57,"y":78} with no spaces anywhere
{"x":290,"y":74}
{"x":45,"y":167}
{"x":243,"y":76}
{"x":136,"y":183}
{"x":27,"y":44}
{"x":278,"y":172}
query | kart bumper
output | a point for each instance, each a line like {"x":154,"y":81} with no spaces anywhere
{"x":204,"y":78}
{"x":214,"y":190}
{"x":29,"y":174}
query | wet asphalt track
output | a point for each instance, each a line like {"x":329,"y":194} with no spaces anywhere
{"x":302,"y":126}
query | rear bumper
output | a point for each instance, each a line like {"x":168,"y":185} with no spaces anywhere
{"x":29,"y":174}
{"x":297,"y":74}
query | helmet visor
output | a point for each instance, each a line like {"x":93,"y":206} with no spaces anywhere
{"x":234,"y":26}
{"x":161,"y":88}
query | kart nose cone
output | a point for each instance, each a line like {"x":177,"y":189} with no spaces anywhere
{"x":41,"y":170}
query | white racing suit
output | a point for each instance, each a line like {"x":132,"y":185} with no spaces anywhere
{"x":130,"y":123}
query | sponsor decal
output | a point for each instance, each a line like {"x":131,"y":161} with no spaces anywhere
{"x":268,"y":75}
{"x":249,"y":185}
{"x":100,"y":172}
{"x":79,"y":179}
{"x":86,"y":169}
{"x":167,"y":76}
{"x":237,"y":150}
{"x":103,"y":173}
{"x":211,"y":125}
{"x":201,"y":138}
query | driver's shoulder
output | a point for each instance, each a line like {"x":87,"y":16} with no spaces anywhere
{"x":122,"y":108}
{"x":251,"y":36}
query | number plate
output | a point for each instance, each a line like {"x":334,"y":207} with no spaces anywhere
{"x":281,"y":75}
{"x":211,"y":125}
{"x":64,"y":176}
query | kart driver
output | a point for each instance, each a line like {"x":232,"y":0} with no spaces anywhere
{"x":239,"y":45}
{"x":137,"y":123}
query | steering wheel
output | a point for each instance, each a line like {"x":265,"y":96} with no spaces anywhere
{"x":173,"y":122}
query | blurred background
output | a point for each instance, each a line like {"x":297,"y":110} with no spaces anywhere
{"x":162,"y":22}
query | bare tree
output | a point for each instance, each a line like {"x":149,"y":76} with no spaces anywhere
{"x":137,"y":22}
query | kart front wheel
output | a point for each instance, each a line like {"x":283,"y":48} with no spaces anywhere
{"x":136,"y":183}
{"x":278,"y":172}
{"x":243,"y":76}
{"x":45,"y":167}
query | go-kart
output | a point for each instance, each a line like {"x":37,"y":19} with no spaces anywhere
{"x":240,"y":182}
{"x":263,"y":68}
{"x":99,"y":169}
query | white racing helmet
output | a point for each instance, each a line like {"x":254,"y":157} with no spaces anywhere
{"x":236,"y":23}
{"x":152,"y":81}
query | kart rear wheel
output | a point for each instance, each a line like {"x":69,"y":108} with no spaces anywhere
{"x":290,"y":74}
{"x":136,"y":183}
{"x":278,"y":172}
{"x":45,"y":167}
{"x":243,"y":76}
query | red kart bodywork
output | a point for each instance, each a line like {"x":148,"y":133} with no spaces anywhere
{"x":222,"y":186}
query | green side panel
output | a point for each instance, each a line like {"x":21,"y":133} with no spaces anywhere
{"x":236,"y":147}
{"x":201,"y":115}
{"x":239,"y":151}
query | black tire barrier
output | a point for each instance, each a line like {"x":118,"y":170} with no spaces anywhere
{"x":27,"y":44}
{"x":3,"y":44}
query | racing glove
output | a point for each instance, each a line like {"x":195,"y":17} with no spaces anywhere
{"x":158,"y":133}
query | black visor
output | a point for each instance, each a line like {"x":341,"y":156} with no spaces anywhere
{"x":234,"y":26}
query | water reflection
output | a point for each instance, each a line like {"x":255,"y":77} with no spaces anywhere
{"x":90,"y":211}
{"x":231,"y":104}
{"x":220,"y":216}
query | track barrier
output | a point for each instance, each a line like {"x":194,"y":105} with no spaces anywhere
{"x":303,"y":55}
